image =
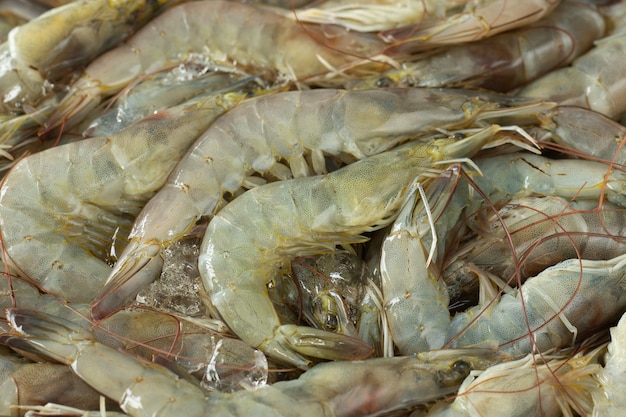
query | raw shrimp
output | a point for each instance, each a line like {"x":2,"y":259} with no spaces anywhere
{"x":373,"y":15}
{"x":587,"y":131}
{"x":571,"y":298}
{"x":414,"y":297}
{"x":62,"y":209}
{"x":505,"y":61}
{"x":543,"y":231}
{"x":28,"y":383}
{"x":226,"y":32}
{"x":595,"y":80}
{"x":610,"y":400}
{"x":471,"y":22}
{"x":252,"y":238}
{"x":149,"y":333}
{"x":528,"y":173}
{"x":61,"y":39}
{"x":531,"y":386}
{"x":330,"y":389}
{"x":345,"y":124}
{"x":159,"y":92}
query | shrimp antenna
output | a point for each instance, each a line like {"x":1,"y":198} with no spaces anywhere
{"x":431,"y":222}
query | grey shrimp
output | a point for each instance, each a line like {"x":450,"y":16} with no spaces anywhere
{"x":213,"y":27}
{"x":593,"y":81}
{"x":527,"y":174}
{"x":609,"y":399}
{"x":414,"y":295}
{"x":328,"y":389}
{"x":548,"y":386}
{"x":549,"y":310}
{"x":543,"y":231}
{"x":505,"y":61}
{"x":61,"y":39}
{"x":146,"y":333}
{"x":61,"y":209}
{"x":345,"y":124}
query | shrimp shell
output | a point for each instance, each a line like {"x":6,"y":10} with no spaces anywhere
{"x":477,"y":20}
{"x":594,"y":81}
{"x":505,"y":61}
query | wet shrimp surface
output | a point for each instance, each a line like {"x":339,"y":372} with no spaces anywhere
{"x":309,"y":208}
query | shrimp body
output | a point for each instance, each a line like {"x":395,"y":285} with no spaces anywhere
{"x":587,"y":131}
{"x":60,"y":209}
{"x":64,"y":38}
{"x":610,"y":400}
{"x":475,"y":21}
{"x":594,"y":81}
{"x":505,"y":61}
{"x":525,"y":387}
{"x":568,"y":178}
{"x":28,"y":383}
{"x":543,"y":231}
{"x":226,"y":32}
{"x":242,"y":145}
{"x":414,"y":296}
{"x":253,"y":237}
{"x":567,"y":299}
{"x":331,"y":389}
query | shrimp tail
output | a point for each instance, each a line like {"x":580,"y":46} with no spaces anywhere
{"x":139,"y":269}
{"x":73,"y":108}
{"x":48,"y":336}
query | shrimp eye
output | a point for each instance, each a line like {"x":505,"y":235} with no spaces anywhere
{"x":384,"y":82}
{"x":331,"y":322}
{"x":455,"y":375}
{"x":461,"y":367}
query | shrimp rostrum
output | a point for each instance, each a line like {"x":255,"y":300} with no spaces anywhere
{"x":242,"y":149}
{"x":329,"y":389}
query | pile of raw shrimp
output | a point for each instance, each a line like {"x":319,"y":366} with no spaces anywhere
{"x":327,"y":208}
